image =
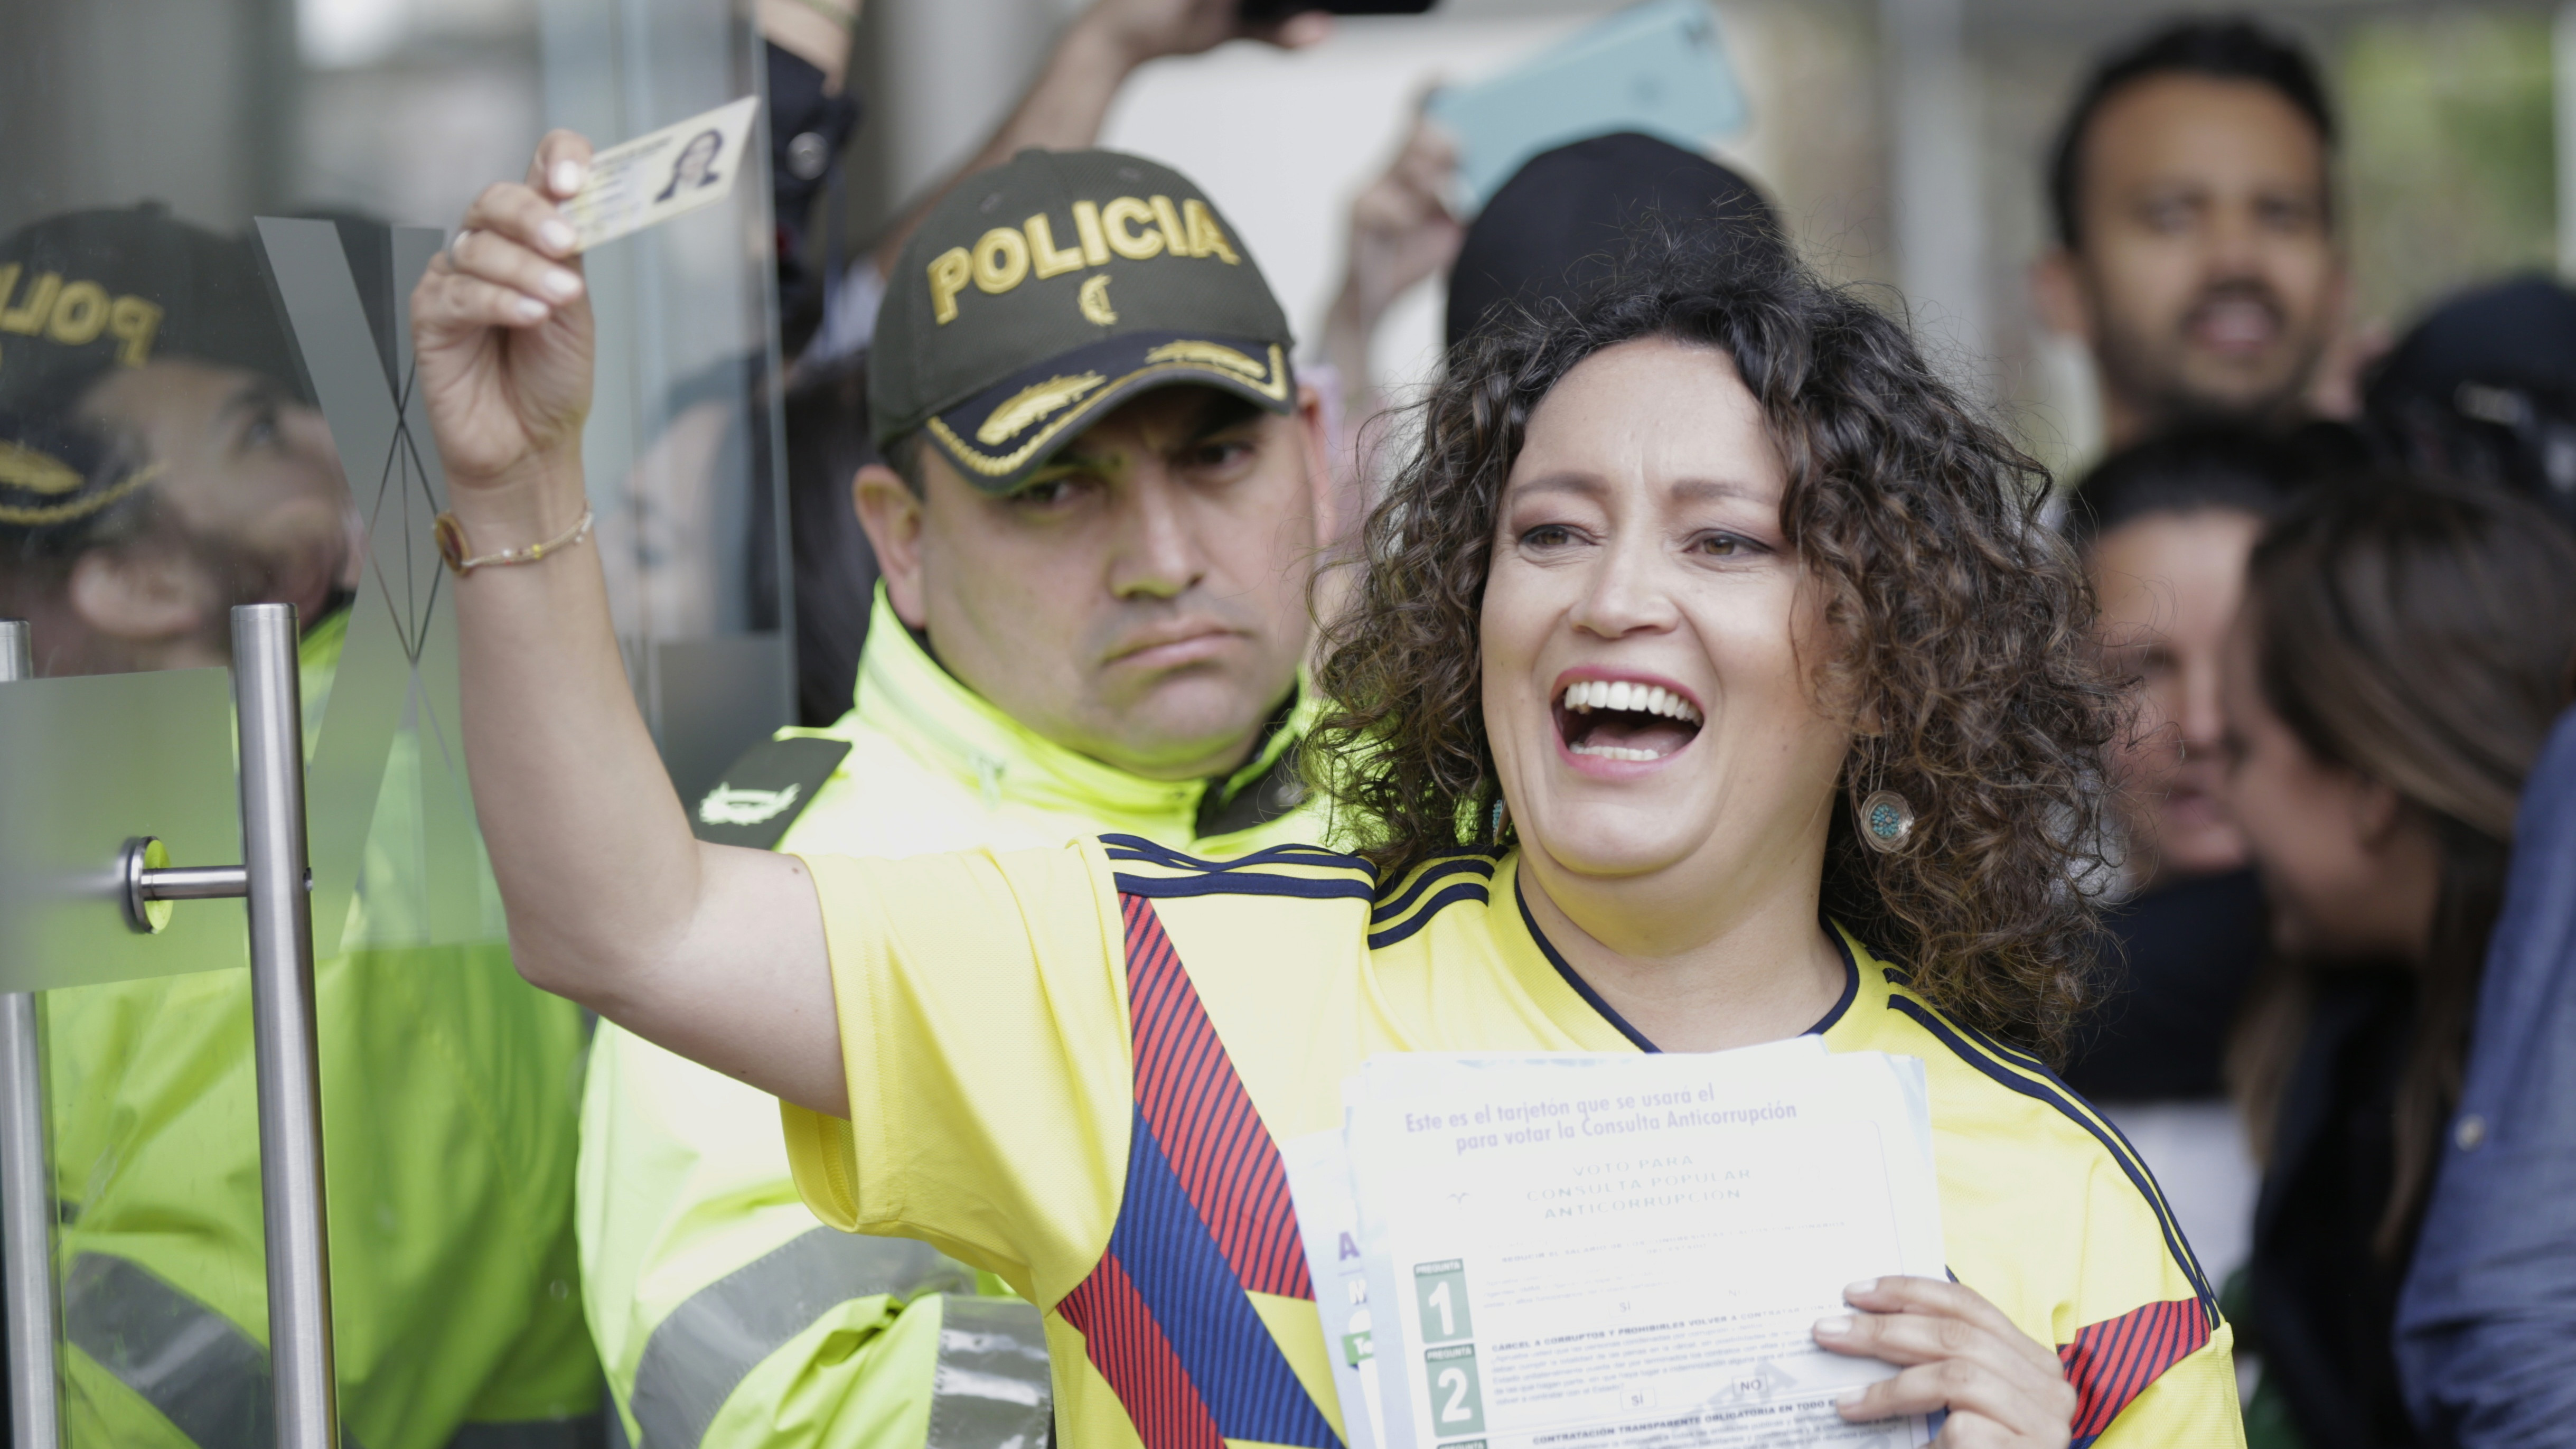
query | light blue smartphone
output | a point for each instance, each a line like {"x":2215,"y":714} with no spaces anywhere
{"x":1658,"y":68}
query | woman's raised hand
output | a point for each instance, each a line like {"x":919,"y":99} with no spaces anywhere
{"x":1955,"y":1351}
{"x":501,"y":325}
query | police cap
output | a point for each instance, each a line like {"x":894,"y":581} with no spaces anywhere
{"x":89,"y":291}
{"x":1046,"y":291}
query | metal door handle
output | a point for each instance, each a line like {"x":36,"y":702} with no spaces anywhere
{"x":150,"y":882}
{"x":285,"y":1057}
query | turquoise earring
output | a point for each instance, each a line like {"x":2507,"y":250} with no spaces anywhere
{"x":1886,"y":821}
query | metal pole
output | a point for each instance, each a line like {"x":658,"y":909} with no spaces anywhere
{"x":1941,"y":241}
{"x":2562,"y":52}
{"x":267,"y":697}
{"x":26,"y":1184}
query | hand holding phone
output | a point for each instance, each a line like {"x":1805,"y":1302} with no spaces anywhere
{"x":1659,"y":69}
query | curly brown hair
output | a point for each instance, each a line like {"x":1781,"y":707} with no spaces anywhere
{"x":1961,"y":654}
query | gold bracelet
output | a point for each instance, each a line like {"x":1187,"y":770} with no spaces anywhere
{"x":451,"y":545}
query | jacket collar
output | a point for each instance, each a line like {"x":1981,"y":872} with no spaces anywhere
{"x":906,"y":696}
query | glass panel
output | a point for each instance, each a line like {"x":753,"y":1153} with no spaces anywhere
{"x":393,"y":840}
{"x":118,"y":756}
{"x":204,"y":382}
{"x":682,"y":437}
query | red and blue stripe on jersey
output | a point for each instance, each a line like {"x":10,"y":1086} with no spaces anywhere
{"x":1205,"y":1219}
{"x":2112,"y":1362}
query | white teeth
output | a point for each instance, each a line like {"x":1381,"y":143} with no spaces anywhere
{"x":1620,"y":694}
{"x":1616,"y":752}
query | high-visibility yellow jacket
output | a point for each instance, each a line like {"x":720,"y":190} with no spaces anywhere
{"x":724,"y":1313}
{"x":449,"y":1117}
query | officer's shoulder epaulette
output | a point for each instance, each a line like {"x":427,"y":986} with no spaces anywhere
{"x":762,"y":793}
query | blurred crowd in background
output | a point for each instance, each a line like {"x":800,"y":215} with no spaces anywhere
{"x":2275,"y":295}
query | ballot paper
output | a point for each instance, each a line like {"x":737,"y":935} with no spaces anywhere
{"x":1575,"y":1251}
{"x":662,"y":174}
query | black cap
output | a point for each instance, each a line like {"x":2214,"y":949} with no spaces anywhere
{"x":2519,"y":333}
{"x":2484,"y":388}
{"x":1049,"y":289}
{"x":1554,"y":227}
{"x":89,"y":291}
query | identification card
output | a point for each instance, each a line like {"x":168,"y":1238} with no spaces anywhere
{"x":663,"y":174}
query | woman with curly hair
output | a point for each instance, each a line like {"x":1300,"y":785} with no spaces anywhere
{"x":1710,"y":681}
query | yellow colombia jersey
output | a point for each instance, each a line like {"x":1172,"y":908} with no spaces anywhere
{"x":1073,"y":1067}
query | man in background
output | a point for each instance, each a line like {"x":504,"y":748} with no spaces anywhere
{"x":2196,"y":258}
{"x":158,"y":465}
{"x":2195,"y":253}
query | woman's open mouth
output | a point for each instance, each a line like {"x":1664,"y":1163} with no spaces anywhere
{"x":1624,"y":720}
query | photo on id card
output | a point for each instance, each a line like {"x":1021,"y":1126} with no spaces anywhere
{"x":662,"y":174}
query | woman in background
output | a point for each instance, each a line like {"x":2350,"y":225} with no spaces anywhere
{"x":2165,"y":528}
{"x":2403,"y":650}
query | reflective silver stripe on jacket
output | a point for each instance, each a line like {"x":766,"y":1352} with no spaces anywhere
{"x":991,"y":1390}
{"x":703,"y":1350}
{"x":210,"y":1379}
{"x":590,"y":1431}
{"x":205,"y":1375}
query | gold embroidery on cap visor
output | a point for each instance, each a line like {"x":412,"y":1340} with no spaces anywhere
{"x":1271,"y":383}
{"x":1031,"y":403}
{"x":24,"y":467}
{"x":51,"y":514}
{"x":1212,"y":354}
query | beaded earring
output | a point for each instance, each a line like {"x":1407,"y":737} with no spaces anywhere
{"x":1886,"y":821}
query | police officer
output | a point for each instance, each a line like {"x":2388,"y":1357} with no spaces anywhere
{"x":157,"y":466}
{"x":1106,"y":489}
{"x":130,"y":325}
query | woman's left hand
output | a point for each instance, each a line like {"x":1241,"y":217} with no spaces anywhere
{"x":1955,"y":1351}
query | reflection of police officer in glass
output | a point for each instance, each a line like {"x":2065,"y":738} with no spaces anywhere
{"x":235,"y":495}
{"x":697,"y":164}
{"x":155,"y":469}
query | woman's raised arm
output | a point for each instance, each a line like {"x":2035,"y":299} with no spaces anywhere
{"x":716,"y":953}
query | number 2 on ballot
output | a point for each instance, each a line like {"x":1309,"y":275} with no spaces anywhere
{"x":1457,"y":1397}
